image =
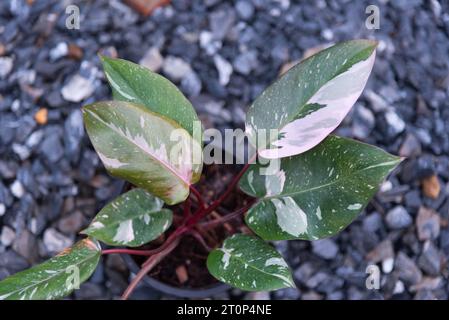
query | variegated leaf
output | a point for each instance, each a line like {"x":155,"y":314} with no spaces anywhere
{"x":145,"y":148}
{"x":55,"y":278}
{"x":133,"y":83}
{"x":316,"y":194}
{"x":133,"y":219}
{"x":307,"y":103}
{"x":248,"y":263}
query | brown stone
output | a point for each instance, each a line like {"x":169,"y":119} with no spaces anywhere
{"x":75,"y":52}
{"x":2,"y":49}
{"x":71,"y":223}
{"x":431,"y":187}
{"x":146,"y":7}
{"x":25,"y":244}
{"x":41,"y":116}
{"x":181,"y":273}
{"x":287,"y":66}
{"x":382,"y":251}
{"x":310,"y":52}
{"x":427,"y":224}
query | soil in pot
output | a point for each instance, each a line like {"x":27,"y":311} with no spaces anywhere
{"x":186,"y":267}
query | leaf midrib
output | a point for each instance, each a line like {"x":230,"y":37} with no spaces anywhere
{"x":53,"y":275}
{"x":166,"y":165}
{"x":117,"y":222}
{"x":343,"y":178}
{"x":250,"y":265}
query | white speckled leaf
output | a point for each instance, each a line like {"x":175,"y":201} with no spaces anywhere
{"x":307,"y":103}
{"x":248,"y":263}
{"x":133,"y":219}
{"x":145,"y":148}
{"x":55,"y":278}
{"x":134,"y":83}
{"x":318,"y":193}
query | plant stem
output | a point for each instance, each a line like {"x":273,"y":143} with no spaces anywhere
{"x":174,"y":236}
{"x":173,"y":240}
{"x":198,"y":196}
{"x":229,"y":216}
{"x":149,"y":264}
{"x":187,"y":208}
{"x":130,"y":251}
{"x":202,"y":213}
{"x":200,"y":239}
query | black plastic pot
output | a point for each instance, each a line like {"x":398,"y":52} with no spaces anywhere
{"x":174,"y":291}
{"x":119,"y":188}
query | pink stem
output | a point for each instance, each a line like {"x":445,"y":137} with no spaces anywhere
{"x":149,"y":264}
{"x":198,"y":196}
{"x":229,"y":216}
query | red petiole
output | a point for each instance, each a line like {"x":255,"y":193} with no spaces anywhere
{"x":190,"y":221}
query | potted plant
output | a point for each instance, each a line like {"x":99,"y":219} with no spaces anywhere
{"x":299,"y":182}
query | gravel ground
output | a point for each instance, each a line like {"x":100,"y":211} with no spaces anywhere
{"x":222,"y":54}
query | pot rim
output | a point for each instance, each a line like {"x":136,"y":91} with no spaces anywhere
{"x":119,"y":187}
{"x":206,"y":292}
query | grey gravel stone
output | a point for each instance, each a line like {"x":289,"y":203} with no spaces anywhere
{"x":246,"y":62}
{"x":13,"y":261}
{"x":51,"y":148}
{"x":258,"y":295}
{"x":395,"y":123}
{"x":372,"y":222}
{"x":73,"y":134}
{"x":78,"y":88}
{"x":191,"y":84}
{"x":245,"y":9}
{"x":7,"y":236}
{"x":175,"y":68}
{"x":152,"y":60}
{"x":407,"y":269}
{"x":377,"y":103}
{"x":6,"y":65}
{"x":55,"y":241}
{"x":325,"y":248}
{"x":59,"y":51}
{"x":363,"y":122}
{"x":17,"y":189}
{"x":429,"y":260}
{"x":224,"y":69}
{"x":411,"y":147}
{"x":398,"y":218}
{"x":22,"y":151}
{"x":220,"y":22}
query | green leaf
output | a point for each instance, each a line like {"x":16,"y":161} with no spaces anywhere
{"x":248,"y":263}
{"x":318,"y":193}
{"x":133,"y":83}
{"x":308,"y":102}
{"x":145,"y":148}
{"x":55,"y":278}
{"x":132,"y":219}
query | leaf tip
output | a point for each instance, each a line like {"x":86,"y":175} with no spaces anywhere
{"x":372,"y":42}
{"x":103,"y":58}
{"x":293,"y":285}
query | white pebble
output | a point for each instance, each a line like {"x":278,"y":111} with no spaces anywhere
{"x":17,"y":189}
{"x":8,"y":235}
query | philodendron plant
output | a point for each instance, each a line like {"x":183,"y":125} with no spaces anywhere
{"x":304,"y":183}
